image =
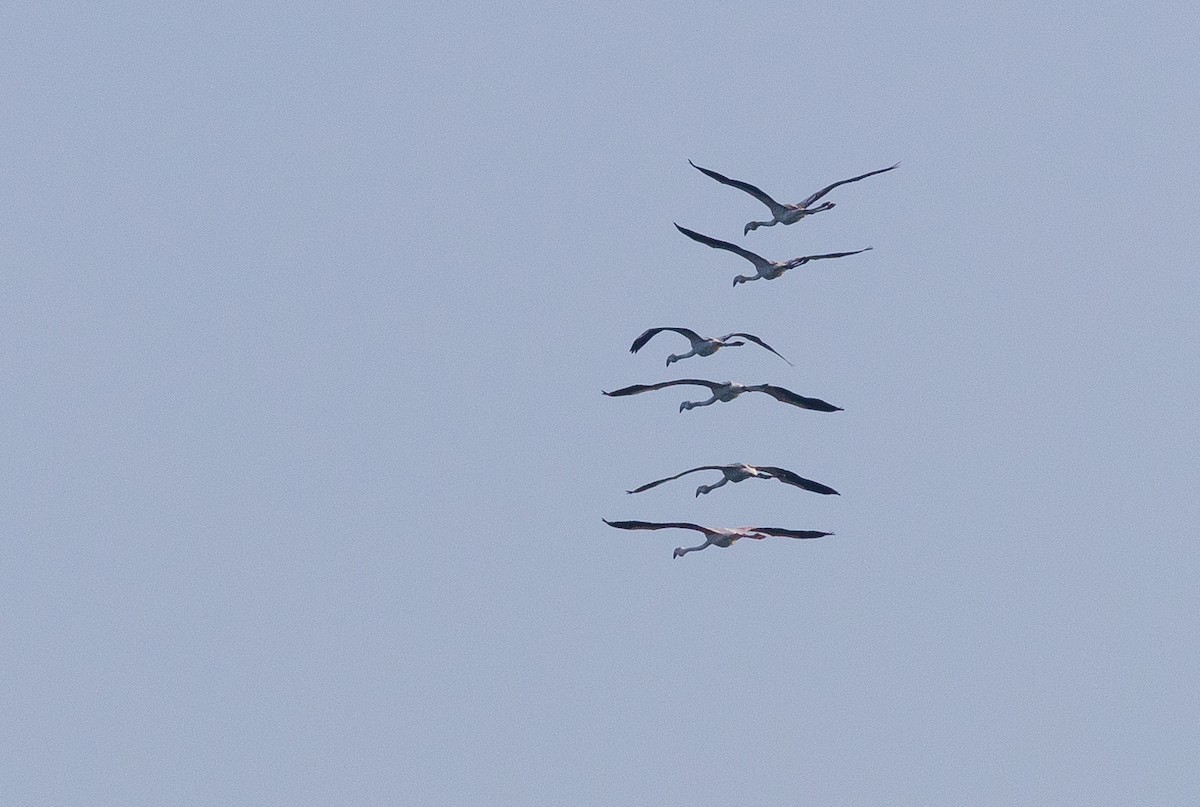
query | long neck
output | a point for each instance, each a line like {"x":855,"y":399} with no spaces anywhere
{"x":681,"y":551}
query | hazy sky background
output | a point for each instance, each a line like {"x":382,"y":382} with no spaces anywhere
{"x":306,"y":310}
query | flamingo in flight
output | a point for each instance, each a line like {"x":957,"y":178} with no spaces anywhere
{"x":782,"y":213}
{"x":716,"y":536}
{"x":700,"y":345}
{"x":739,"y":472}
{"x":767,"y":270}
{"x":727,"y":391}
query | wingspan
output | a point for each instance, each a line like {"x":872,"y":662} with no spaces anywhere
{"x":641,"y":341}
{"x":751,"y":337}
{"x":828,"y":188}
{"x":784,"y":475}
{"x":782,"y":533}
{"x":757,"y":260}
{"x":789,"y":397}
{"x":634,"y":389}
{"x":652,"y":525}
{"x":794,"y":262}
{"x":676,"y":476}
{"x":757,"y":193}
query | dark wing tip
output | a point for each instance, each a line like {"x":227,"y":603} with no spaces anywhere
{"x":644,"y":339}
{"x":796,"y":399}
{"x":793,"y":478}
{"x":781,"y":532}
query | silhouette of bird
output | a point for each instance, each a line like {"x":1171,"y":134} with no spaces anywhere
{"x":739,"y":472}
{"x":784,"y":213}
{"x":718,"y":536}
{"x":727,"y":391}
{"x":700,"y":345}
{"x":767,"y":270}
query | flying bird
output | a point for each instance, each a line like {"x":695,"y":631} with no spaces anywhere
{"x":739,"y":472}
{"x":767,"y":270}
{"x":700,"y":345}
{"x":718,"y":536}
{"x":784,"y":214}
{"x":727,"y":391}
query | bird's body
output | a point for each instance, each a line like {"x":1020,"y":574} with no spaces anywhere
{"x":739,"y":472}
{"x":716,"y":536}
{"x":700,"y":345}
{"x":785,"y":213}
{"x":727,"y":391}
{"x":767,"y":270}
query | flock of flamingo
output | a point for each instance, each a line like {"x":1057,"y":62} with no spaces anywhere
{"x":728,"y":390}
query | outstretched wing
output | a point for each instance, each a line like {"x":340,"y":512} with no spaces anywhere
{"x":794,"y":262}
{"x":758,"y":342}
{"x":782,"y":533}
{"x":757,"y":260}
{"x":757,"y":193}
{"x":784,"y":475}
{"x":634,"y":389}
{"x":641,"y":341}
{"x":652,"y":525}
{"x":828,"y":188}
{"x":789,"y":397}
{"x":676,"y":476}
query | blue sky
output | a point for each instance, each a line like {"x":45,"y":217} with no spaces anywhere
{"x":308,"y":310}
